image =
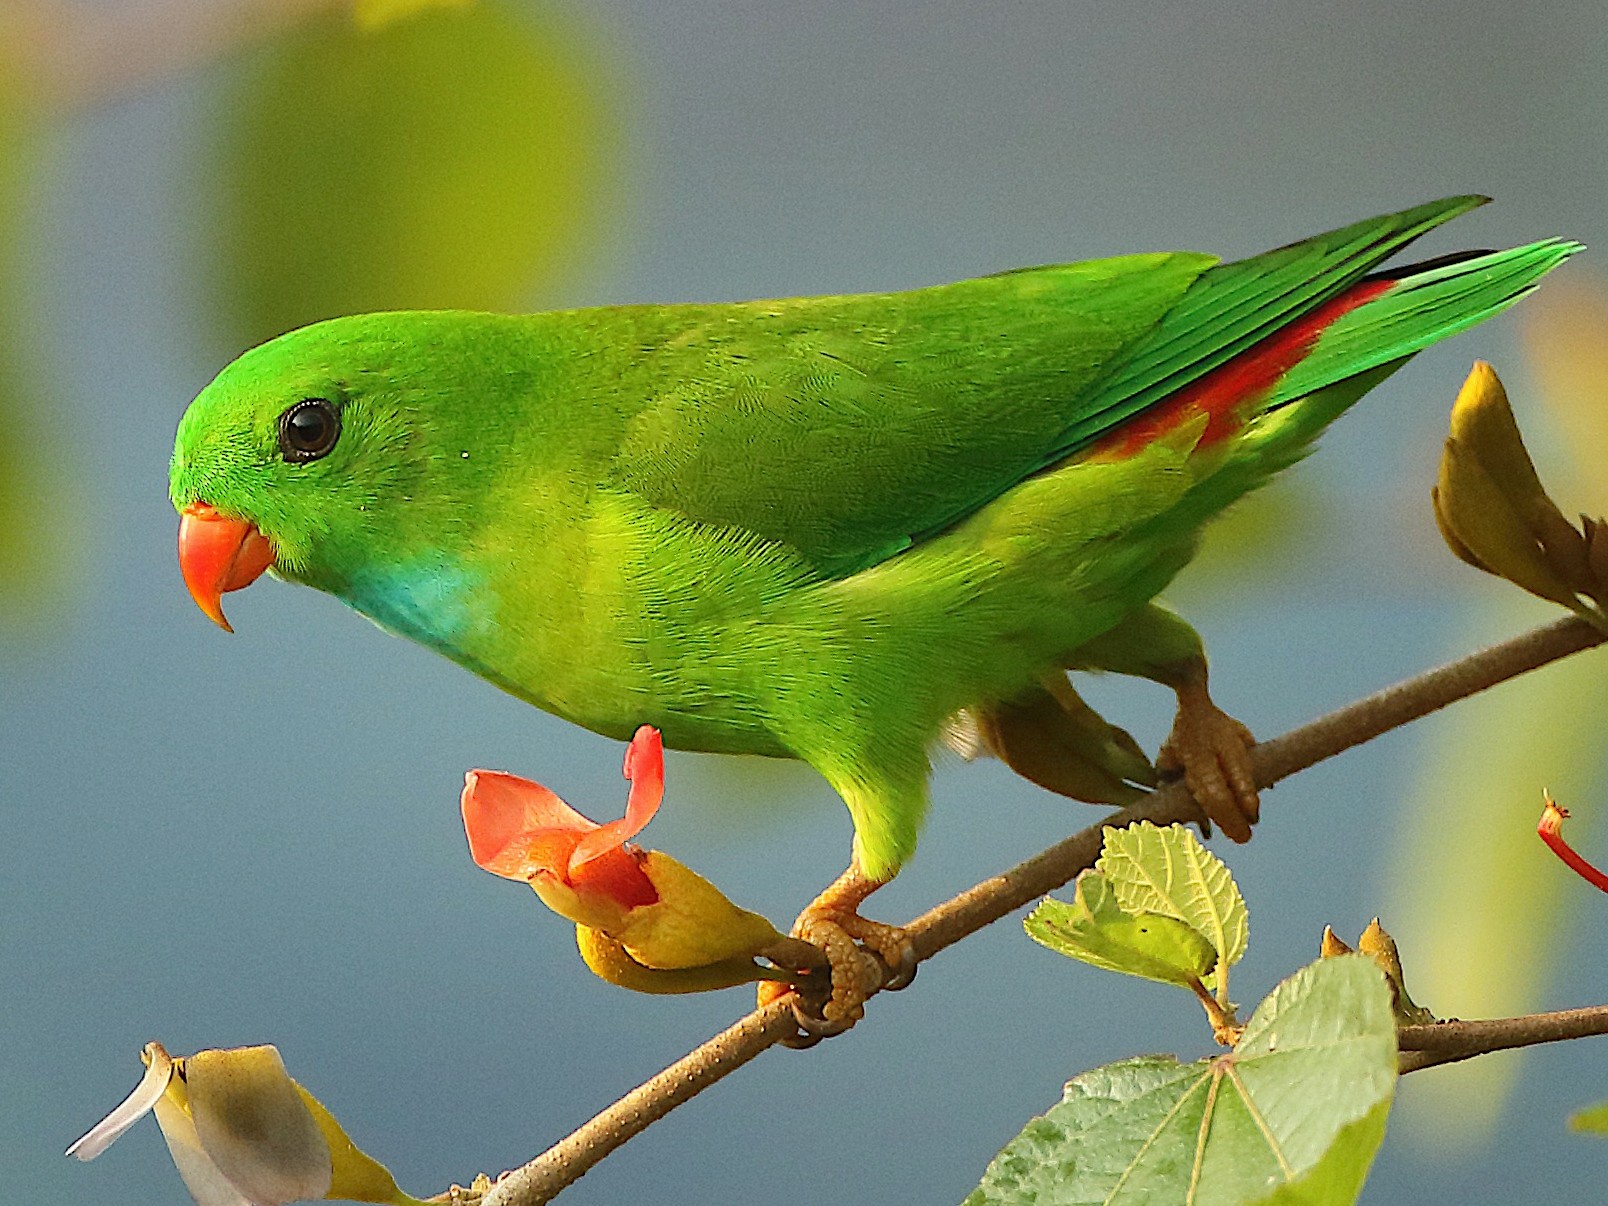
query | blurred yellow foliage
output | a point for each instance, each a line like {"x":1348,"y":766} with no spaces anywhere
{"x":1478,"y":901}
{"x":377,"y":14}
{"x":458,"y":159}
{"x":28,"y":564}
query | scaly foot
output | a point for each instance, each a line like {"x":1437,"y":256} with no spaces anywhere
{"x":865,"y":956}
{"x":1213,"y":751}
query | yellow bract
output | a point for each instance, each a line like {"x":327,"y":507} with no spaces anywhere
{"x":1495,"y":514}
{"x":241,"y":1132}
{"x":251,"y":1124}
{"x":355,"y":1175}
{"x":693,"y":924}
{"x":612,"y":962}
{"x":1379,"y":946}
{"x":692,"y":930}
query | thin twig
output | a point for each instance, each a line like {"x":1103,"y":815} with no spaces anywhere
{"x":986,"y":902}
{"x":1448,"y":1042}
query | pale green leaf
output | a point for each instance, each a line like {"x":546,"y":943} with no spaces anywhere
{"x":1168,"y":871}
{"x":1095,"y":930}
{"x":1336,"y":1180}
{"x":1593,"y":1119}
{"x":1292,"y":1116}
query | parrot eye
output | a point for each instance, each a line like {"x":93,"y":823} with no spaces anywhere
{"x":308,"y":430}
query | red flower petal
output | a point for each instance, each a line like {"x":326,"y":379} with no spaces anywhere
{"x":517,"y":828}
{"x":644,"y":767}
{"x":1551,"y":830}
{"x":616,"y":873}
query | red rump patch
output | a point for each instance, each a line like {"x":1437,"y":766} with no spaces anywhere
{"x":1223,"y":393}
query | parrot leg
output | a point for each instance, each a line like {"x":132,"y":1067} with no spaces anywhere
{"x":1051,"y":737}
{"x":1209,"y":747}
{"x":864,"y":955}
{"x":1213,"y":752}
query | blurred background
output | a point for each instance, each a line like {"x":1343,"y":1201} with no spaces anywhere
{"x":215,"y":841}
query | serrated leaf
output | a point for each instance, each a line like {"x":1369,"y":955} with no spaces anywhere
{"x":1168,"y":871}
{"x":1593,"y":1119}
{"x":1095,"y":929}
{"x":1292,"y":1116}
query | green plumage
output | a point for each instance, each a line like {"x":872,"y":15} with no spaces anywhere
{"x":817,"y":527}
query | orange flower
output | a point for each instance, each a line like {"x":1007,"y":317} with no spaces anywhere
{"x":664,"y":916}
{"x":522,"y":831}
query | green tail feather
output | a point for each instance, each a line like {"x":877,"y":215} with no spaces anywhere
{"x":1422,"y":309}
{"x":1364,"y":347}
{"x":1233,"y":306}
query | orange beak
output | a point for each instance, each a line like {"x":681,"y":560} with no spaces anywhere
{"x":219,"y":554}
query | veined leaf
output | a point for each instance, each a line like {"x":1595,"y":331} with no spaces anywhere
{"x":1293,"y":1115}
{"x":1096,"y":930}
{"x":1168,"y":871}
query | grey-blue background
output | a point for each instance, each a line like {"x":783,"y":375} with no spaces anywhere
{"x":216,"y":841}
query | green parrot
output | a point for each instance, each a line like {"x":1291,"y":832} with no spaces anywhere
{"x":837,"y":529}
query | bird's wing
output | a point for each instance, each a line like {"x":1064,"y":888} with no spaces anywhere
{"x":849,"y":428}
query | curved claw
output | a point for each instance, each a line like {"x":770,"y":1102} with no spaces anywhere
{"x":810,"y":1000}
{"x":816,"y":1026}
{"x":800,"y":1040}
{"x":860,"y":957}
{"x":904,"y":975}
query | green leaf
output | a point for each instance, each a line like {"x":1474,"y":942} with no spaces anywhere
{"x":1168,"y":871}
{"x":1336,"y":1180}
{"x":1095,"y":929}
{"x":1292,"y":1116}
{"x":463,"y":158}
{"x":1593,"y":1119}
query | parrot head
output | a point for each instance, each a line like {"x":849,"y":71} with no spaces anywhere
{"x":323,"y":449}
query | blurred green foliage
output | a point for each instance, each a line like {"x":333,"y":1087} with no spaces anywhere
{"x":1593,"y":1120}
{"x":28,"y":561}
{"x":457,"y":158}
{"x":1483,"y":909}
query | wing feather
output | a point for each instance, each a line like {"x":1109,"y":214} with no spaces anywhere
{"x":849,"y":428}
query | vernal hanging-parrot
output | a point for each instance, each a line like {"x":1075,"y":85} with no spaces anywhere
{"x":827,"y":528}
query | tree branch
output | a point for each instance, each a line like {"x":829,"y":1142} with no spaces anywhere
{"x":1448,"y":1042}
{"x":541,"y":1179}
